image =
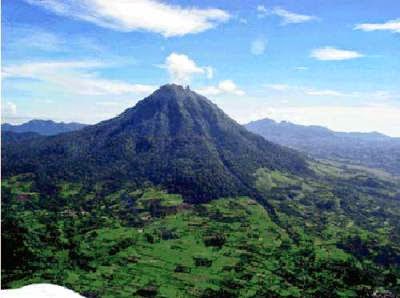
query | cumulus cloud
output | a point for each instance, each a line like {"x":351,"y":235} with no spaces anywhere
{"x":181,"y":68}
{"x":258,"y":46}
{"x":223,"y":87}
{"x":330,"y":53}
{"x":147,"y":15}
{"x":75,"y":77}
{"x":392,"y":25}
{"x":229,"y":86}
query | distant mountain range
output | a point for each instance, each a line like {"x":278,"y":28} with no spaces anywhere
{"x":175,"y":138}
{"x":43,"y":127}
{"x":367,"y":149}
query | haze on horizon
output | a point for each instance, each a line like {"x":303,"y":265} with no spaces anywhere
{"x":329,"y":63}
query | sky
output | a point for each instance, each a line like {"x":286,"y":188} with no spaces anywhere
{"x":334,"y":63}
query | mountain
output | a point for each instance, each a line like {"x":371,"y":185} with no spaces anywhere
{"x":43,"y":127}
{"x":175,"y":138}
{"x":366,"y":149}
{"x":172,"y":198}
{"x":9,"y":137}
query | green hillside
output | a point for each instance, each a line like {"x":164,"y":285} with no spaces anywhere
{"x":333,"y":235}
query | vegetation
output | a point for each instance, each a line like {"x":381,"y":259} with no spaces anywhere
{"x":174,"y":138}
{"x":124,"y":209}
{"x":326,"y":239}
{"x":364,"y":149}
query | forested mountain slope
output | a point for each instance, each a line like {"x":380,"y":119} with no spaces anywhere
{"x":174,"y":137}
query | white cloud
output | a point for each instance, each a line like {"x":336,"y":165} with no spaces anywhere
{"x":229,"y":86}
{"x":96,"y":86}
{"x":36,"y":69}
{"x":108,"y":103}
{"x":261,"y":9}
{"x":209,"y":72}
{"x":258,"y":46}
{"x":36,"y":38}
{"x":223,"y":87}
{"x":181,"y":68}
{"x":301,"y":68}
{"x":9,"y":109}
{"x":393,"y":26}
{"x":330,"y":53}
{"x":278,"y":87}
{"x":209,"y":90}
{"x":148,"y":15}
{"x":287,"y":17}
{"x":326,"y":92}
{"x":291,"y":17}
{"x":23,"y":38}
{"x":75,"y":77}
{"x":308,"y":91}
{"x":382,"y":95}
{"x":296,"y":91}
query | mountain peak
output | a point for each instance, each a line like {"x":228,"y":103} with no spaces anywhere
{"x":173,"y":86}
{"x":174,"y":91}
{"x":171,"y":102}
{"x":174,"y":138}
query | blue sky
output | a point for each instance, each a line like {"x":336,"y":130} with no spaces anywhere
{"x":327,"y":62}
